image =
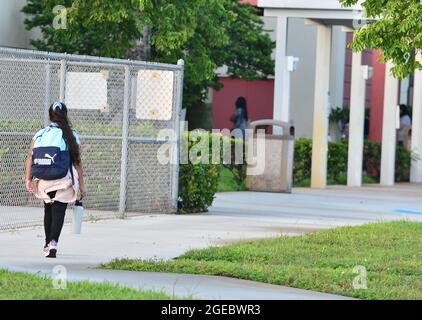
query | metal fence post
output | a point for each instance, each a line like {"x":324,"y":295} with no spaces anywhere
{"x":125,"y":144}
{"x":47,"y":98}
{"x":181,"y":63}
{"x":62,"y":80}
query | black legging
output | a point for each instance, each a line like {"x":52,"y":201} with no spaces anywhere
{"x":53,"y":218}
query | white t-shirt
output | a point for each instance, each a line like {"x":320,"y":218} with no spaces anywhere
{"x":405,"y":122}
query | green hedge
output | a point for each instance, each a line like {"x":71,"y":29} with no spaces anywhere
{"x":336,"y":165}
{"x":198,"y":183}
{"x":337,"y":162}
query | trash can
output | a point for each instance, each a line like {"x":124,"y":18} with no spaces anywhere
{"x":272,"y":170}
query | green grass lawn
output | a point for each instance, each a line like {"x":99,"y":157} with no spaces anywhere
{"x":321,"y":261}
{"x":21,"y":286}
{"x":227,"y":182}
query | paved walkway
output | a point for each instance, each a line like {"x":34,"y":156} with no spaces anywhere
{"x":336,"y":205}
{"x":183,"y":285}
{"x":149,"y":237}
{"x":234,"y":216}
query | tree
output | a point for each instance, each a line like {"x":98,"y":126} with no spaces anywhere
{"x":92,"y":28}
{"x":205,"y":33}
{"x":395,"y":27}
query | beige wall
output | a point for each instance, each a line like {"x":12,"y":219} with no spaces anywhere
{"x":12,"y":28}
{"x":302,"y":43}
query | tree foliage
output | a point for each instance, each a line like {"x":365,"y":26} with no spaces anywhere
{"x":205,"y":33}
{"x":395,"y":26}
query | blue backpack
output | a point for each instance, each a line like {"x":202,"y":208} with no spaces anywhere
{"x":50,"y":156}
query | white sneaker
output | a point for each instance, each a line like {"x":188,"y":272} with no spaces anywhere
{"x":52,"y":249}
{"x":46,"y":250}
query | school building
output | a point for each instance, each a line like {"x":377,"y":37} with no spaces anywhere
{"x":302,"y":43}
{"x":328,"y":75}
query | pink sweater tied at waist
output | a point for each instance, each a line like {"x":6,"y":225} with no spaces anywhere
{"x":66,"y":192}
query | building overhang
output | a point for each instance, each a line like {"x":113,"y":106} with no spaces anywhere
{"x":307,"y":4}
{"x":328,"y":12}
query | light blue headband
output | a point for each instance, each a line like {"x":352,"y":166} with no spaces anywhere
{"x":57,"y":104}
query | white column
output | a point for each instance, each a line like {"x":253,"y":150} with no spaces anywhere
{"x":356,"y":123}
{"x":416,"y":165}
{"x":281,"y":83}
{"x":388,"y":149}
{"x":320,"y":118}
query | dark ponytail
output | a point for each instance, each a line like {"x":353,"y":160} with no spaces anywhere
{"x":242,"y":105}
{"x":58,"y":115}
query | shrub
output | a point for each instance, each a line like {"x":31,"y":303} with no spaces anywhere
{"x":403,"y":160}
{"x":372,"y":159}
{"x":302,"y":162}
{"x":198,"y":181}
{"x":197,"y":187}
{"x":337,"y":162}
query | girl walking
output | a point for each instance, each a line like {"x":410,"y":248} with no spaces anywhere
{"x":54,"y":172}
{"x":240,"y":117}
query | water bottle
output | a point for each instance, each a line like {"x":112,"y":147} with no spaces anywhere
{"x":78,"y":214}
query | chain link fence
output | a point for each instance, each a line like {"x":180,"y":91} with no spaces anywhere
{"x":118,"y":107}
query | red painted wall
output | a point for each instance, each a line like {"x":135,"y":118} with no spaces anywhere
{"x":374,"y":89}
{"x":259,"y":95}
{"x":377,"y":98}
{"x":252,"y":2}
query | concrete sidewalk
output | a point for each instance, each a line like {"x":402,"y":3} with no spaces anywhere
{"x":184,"y":285}
{"x":152,"y":237}
{"x":234,"y":216}
{"x":336,"y":205}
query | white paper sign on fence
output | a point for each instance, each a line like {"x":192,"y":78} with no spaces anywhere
{"x":154,"y":95}
{"x":87,"y":90}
